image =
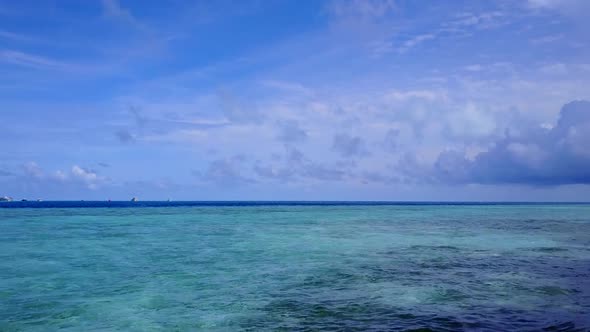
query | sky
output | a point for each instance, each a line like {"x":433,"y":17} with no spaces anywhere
{"x":295,"y":100}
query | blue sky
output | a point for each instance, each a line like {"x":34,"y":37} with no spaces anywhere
{"x":295,"y":100}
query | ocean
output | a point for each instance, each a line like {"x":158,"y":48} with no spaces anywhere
{"x":294,"y":266}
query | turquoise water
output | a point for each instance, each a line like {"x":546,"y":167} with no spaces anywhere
{"x":228,"y":268}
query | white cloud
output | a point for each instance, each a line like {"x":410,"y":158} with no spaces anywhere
{"x":77,"y":175}
{"x":573,"y":9}
{"x":15,"y":36}
{"x":463,"y":25}
{"x":415,"y":41}
{"x":290,"y":87}
{"x":84,"y":174}
{"x":113,"y":8}
{"x":554,"y":69}
{"x":547,"y":39}
{"x":473,"y":67}
{"x":30,"y":60}
{"x":60,"y":175}
{"x":555,"y":3}
{"x":483,"y":20}
{"x":471,"y":122}
{"x":361,"y":8}
{"x":33,"y":170}
{"x":530,"y":155}
{"x":88,"y":177}
{"x":429,"y":95}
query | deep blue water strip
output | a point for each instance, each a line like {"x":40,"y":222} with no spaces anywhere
{"x":142,"y":204}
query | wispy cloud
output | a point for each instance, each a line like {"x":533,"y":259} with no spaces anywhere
{"x":415,"y":41}
{"x":369,"y":9}
{"x":572,"y":9}
{"x":113,"y":9}
{"x":547,"y":39}
{"x":16,"y":36}
{"x":473,"y":68}
{"x":404,"y":95}
{"x":484,"y":20}
{"x":30,"y":60}
{"x":463,"y":24}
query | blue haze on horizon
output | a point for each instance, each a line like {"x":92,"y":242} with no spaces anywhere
{"x":295,"y":100}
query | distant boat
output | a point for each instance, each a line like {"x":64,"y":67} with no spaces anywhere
{"x":39,"y":200}
{"x":5,"y":199}
{"x":134,"y":199}
{"x":168,"y":200}
{"x":24,"y":200}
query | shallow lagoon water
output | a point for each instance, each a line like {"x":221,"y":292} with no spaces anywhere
{"x":296,"y":267}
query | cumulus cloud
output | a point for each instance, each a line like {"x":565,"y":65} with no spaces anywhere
{"x":237,"y":111}
{"x":294,"y":166}
{"x":291,"y":132}
{"x":33,"y":170}
{"x":391,"y":140}
{"x":227,"y":172}
{"x":140,"y":119}
{"x":124,"y":136}
{"x":87,"y":176}
{"x":542,"y":156}
{"x":322,"y":172}
{"x":517,"y":154}
{"x":34,"y":174}
{"x":470,"y":122}
{"x":349,"y":146}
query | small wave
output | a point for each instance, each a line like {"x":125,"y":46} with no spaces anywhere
{"x":427,"y":247}
{"x":554,"y":290}
{"x":563,"y":327}
{"x":549,"y":249}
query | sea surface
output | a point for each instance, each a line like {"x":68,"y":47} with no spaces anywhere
{"x":293,"y":266}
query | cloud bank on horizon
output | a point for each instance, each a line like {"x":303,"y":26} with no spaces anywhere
{"x":333,"y":100}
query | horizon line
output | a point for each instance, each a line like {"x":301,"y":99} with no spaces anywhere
{"x":284,"y":201}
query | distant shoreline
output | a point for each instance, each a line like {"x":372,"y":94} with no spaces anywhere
{"x":139,"y":204}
